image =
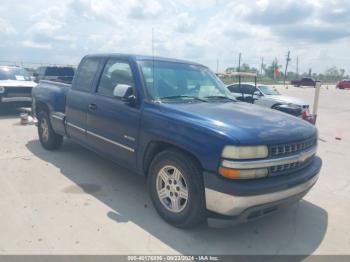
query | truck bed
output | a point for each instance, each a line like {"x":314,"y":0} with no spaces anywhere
{"x":52,"y":93}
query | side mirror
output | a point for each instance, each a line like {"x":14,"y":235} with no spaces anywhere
{"x":257,"y":93}
{"x":125,"y":93}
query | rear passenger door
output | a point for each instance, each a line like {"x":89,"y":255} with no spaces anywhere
{"x":112,"y":124}
{"x":79,"y":97}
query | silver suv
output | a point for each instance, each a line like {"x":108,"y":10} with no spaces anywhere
{"x":268,"y":96}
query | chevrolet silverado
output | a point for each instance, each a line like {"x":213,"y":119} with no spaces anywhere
{"x":205,"y":155}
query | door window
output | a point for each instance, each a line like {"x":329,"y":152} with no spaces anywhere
{"x":86,"y":74}
{"x":115,"y":73}
{"x":235,"y":88}
{"x":248,"y":89}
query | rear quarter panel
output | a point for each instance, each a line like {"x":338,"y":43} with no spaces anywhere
{"x":51,"y":94}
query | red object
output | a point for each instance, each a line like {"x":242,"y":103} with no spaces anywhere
{"x":277,"y":72}
{"x":308,"y":117}
{"x":344,"y":84}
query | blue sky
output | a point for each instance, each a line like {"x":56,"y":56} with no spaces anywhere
{"x":63,"y":31}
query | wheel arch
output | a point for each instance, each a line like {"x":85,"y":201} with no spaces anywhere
{"x":155,"y":147}
{"x":40,"y":105}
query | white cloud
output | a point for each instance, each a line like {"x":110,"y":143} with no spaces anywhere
{"x":6,"y":27}
{"x":195,"y":30}
{"x":185,"y":23}
{"x":145,"y":9}
{"x":30,"y":44}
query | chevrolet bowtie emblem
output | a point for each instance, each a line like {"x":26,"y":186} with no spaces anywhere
{"x":302,"y":157}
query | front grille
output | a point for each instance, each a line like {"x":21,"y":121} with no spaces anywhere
{"x":284,"y":167}
{"x":288,"y":168}
{"x":292,"y":148}
{"x":18,"y":92}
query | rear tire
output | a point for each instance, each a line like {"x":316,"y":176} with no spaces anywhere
{"x":176,"y":188}
{"x":47,"y":136}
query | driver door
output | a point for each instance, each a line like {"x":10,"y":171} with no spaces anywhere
{"x":112,"y":124}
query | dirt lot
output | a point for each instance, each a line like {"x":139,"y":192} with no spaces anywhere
{"x":75,"y":202}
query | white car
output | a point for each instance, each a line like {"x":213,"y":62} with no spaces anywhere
{"x":267,"y":96}
{"x":15,"y":86}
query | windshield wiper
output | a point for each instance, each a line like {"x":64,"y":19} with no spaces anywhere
{"x":220,"y":97}
{"x":183,"y":96}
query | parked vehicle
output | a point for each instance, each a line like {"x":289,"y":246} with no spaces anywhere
{"x":267,"y":96}
{"x":15,"y":86}
{"x":305,"y":81}
{"x":62,"y":74}
{"x":343,"y":84}
{"x":204,"y":154}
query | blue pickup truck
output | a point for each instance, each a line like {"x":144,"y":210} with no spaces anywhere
{"x":205,"y":155}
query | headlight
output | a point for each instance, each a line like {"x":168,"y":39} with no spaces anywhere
{"x":2,"y":89}
{"x":245,"y":152}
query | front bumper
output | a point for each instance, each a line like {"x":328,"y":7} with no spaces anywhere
{"x":252,"y":213}
{"x":233,"y":199}
{"x":15,"y":99}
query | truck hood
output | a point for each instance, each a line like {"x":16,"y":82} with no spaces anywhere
{"x":287,"y":99}
{"x":242,"y":123}
{"x":17,"y":83}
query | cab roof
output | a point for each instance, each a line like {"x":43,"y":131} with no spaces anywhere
{"x":135,"y":57}
{"x":9,"y":66}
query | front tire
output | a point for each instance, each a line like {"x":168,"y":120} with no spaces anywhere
{"x":176,"y":188}
{"x":47,"y":136}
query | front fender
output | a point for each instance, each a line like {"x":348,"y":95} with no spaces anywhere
{"x":205,"y":144}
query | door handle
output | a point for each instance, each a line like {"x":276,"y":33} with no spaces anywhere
{"x":92,"y":107}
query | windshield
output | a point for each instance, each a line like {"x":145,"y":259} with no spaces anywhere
{"x":182,"y":82}
{"x":267,"y":90}
{"x":14,"y":73}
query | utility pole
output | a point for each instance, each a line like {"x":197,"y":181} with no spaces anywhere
{"x":239,"y":62}
{"x":262,"y":65}
{"x":285,"y":71}
{"x":297,"y":65}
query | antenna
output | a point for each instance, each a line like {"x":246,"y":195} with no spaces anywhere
{"x":153,"y":80}
{"x":152,"y":42}
{"x":217,"y":64}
